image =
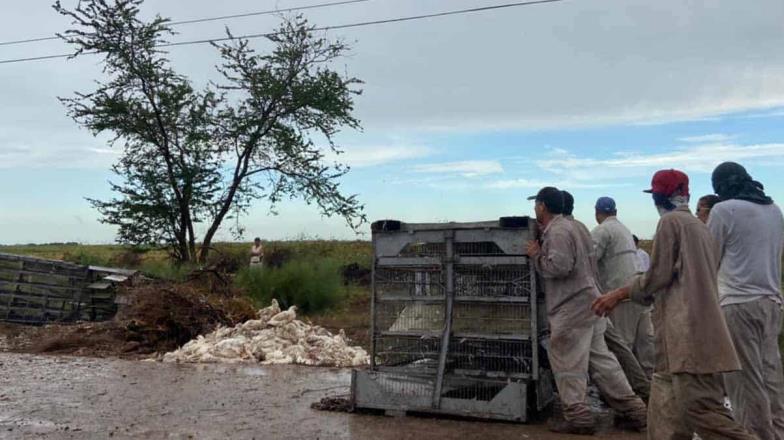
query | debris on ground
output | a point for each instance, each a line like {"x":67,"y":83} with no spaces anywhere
{"x":158,"y":317}
{"x":355,"y":274}
{"x":275,"y":337}
{"x":334,"y":404}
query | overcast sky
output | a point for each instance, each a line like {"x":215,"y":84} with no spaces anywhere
{"x":462,"y":115}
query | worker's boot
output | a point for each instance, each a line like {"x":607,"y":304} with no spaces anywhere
{"x":576,"y":419}
{"x":633,"y":420}
{"x":564,"y":426}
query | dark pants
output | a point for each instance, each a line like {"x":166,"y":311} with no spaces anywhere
{"x":757,"y":391}
{"x":631,"y":367}
{"x":682,"y":404}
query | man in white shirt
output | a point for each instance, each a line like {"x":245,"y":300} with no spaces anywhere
{"x":749,"y":229}
{"x":643,"y":259}
{"x":617,"y":260}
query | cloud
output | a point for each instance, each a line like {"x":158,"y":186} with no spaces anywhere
{"x":369,"y":156}
{"x":774,"y":113}
{"x":537,"y":184}
{"x":699,"y":158}
{"x":466,"y":168}
{"x":608,"y":65}
{"x":62,"y":157}
{"x":706,"y":138}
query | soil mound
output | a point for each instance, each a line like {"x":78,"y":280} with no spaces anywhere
{"x":159,"y":317}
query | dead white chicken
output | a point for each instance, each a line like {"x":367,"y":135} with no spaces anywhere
{"x":283,"y":318}
{"x":277,"y":337}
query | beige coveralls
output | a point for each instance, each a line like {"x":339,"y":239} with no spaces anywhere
{"x":691,"y":339}
{"x":637,"y":377}
{"x":616,"y":255}
{"x":577,"y":344}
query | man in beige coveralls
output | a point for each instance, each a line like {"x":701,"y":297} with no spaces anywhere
{"x":577,"y":343}
{"x":640,"y":382}
{"x":691,"y":339}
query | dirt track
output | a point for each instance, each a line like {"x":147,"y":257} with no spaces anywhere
{"x":77,"y":398}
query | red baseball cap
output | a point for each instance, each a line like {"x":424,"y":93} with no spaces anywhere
{"x":667,"y":182}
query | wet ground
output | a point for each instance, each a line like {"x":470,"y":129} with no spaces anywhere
{"x":85,"y":398}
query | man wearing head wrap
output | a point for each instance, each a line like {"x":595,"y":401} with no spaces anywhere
{"x":616,"y":255}
{"x":749,"y":229}
{"x":577,"y":344}
{"x":639,"y":381}
{"x":692,"y":343}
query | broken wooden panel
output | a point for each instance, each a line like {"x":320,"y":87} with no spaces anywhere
{"x":37,"y":291}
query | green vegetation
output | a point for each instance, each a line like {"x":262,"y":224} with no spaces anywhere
{"x":344,"y":252}
{"x":166,"y":270}
{"x":312,"y":284}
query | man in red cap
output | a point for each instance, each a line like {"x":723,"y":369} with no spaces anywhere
{"x":692,"y":343}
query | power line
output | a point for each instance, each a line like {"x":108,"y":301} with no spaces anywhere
{"x":208,"y":19}
{"x":324,"y":28}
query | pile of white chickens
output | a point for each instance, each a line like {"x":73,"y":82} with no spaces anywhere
{"x":277,"y":337}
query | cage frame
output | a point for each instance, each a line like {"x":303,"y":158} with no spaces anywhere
{"x":393,"y":238}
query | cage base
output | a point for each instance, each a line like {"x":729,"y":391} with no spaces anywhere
{"x":400,"y":393}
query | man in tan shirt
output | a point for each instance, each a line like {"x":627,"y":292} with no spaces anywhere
{"x":691,"y":339}
{"x":577,"y":343}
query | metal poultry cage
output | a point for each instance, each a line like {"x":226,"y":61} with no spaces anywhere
{"x":456,"y":322}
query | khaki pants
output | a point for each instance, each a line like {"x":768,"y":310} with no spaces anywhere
{"x":573,"y":353}
{"x":757,"y":391}
{"x":637,"y":378}
{"x":682,"y":404}
{"x":633,"y":323}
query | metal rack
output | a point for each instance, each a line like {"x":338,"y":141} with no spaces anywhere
{"x":456,"y":322}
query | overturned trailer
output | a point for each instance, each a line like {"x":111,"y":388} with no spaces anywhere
{"x":457,"y":321}
{"x":39,"y":291}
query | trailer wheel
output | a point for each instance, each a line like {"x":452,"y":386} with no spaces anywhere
{"x":514,"y":222}
{"x":386,"y":226}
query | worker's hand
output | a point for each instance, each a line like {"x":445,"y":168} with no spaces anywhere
{"x":533,"y":248}
{"x":605,"y":304}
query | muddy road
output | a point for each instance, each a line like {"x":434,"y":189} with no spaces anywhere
{"x":85,"y":398}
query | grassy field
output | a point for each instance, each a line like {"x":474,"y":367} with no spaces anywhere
{"x":156,"y":262}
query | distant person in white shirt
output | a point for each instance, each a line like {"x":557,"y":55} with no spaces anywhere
{"x":749,"y":230}
{"x":643,"y":259}
{"x":257,"y":253}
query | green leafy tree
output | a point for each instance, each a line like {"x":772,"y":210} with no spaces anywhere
{"x":200,"y":157}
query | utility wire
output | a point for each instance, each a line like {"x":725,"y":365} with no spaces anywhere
{"x":324,"y":28}
{"x":208,"y":19}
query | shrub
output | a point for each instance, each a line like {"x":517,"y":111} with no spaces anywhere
{"x":85,"y":258}
{"x":127,"y":258}
{"x":228,"y":259}
{"x":312,"y":284}
{"x":166,"y":270}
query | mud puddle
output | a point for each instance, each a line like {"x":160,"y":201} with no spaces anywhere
{"x":78,"y":398}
